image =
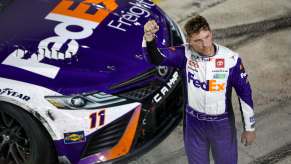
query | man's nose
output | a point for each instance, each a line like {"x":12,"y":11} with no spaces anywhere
{"x":205,"y":43}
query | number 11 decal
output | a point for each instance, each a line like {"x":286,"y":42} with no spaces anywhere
{"x":97,"y":117}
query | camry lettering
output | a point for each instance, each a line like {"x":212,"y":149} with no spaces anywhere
{"x":170,"y":84}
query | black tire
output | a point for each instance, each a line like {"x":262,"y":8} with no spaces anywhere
{"x":22,"y":139}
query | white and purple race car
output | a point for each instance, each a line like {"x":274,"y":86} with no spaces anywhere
{"x":74,"y":85}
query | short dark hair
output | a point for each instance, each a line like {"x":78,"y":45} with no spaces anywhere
{"x":196,"y":24}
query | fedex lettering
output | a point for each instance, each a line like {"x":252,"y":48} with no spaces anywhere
{"x":77,"y":17}
{"x":209,"y":85}
{"x":67,"y":17}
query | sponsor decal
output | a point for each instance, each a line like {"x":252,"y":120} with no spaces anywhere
{"x":219,"y":63}
{"x":219,"y":76}
{"x":74,"y":137}
{"x":131,"y":17}
{"x":253,"y":125}
{"x":202,"y":116}
{"x":64,"y":39}
{"x":243,"y":74}
{"x":198,"y":58}
{"x":11,"y":92}
{"x":252,"y":119}
{"x":207,"y":59}
{"x":163,"y":71}
{"x":193,"y":63}
{"x":209,"y":85}
{"x":166,"y":89}
{"x":220,"y":70}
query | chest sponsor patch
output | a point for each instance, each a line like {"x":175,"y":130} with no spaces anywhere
{"x":219,"y":76}
{"x":208,"y":85}
{"x":219,"y":63}
{"x":193,"y":63}
{"x":220,"y":70}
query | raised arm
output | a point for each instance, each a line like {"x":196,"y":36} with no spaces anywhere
{"x":170,"y":56}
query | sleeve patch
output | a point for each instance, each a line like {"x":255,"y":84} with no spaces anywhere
{"x":252,"y":119}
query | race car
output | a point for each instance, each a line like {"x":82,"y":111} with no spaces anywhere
{"x":74,"y":85}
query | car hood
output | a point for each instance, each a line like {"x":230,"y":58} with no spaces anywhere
{"x":71,"y":46}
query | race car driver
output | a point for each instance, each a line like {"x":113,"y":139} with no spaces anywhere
{"x":210,"y":72}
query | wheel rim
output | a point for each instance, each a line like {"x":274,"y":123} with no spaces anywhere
{"x":14,"y":143}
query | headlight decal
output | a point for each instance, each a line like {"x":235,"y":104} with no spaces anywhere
{"x":86,"y":101}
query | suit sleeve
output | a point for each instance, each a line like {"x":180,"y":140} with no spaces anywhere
{"x":168,"y":56}
{"x":239,"y":80}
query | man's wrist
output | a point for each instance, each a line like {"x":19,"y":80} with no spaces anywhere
{"x":151,"y":44}
{"x":149,"y":38}
{"x":250,"y":129}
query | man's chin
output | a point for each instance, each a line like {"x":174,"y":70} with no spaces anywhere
{"x":204,"y":53}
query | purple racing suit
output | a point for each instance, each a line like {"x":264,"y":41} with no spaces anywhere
{"x":209,"y":120}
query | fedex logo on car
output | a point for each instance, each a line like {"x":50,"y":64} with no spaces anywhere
{"x":68,"y":14}
{"x":78,"y":16}
{"x":209,"y":85}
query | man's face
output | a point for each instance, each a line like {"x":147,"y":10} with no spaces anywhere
{"x":202,"y":42}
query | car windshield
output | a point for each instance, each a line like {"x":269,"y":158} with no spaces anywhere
{"x":4,"y":4}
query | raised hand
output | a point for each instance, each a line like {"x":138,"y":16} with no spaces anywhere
{"x":150,"y":29}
